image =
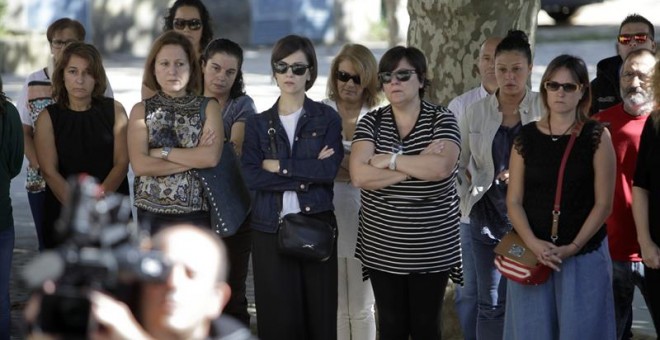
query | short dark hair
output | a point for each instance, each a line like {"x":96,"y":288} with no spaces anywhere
{"x":635,"y":19}
{"x":207,"y":30}
{"x":194,"y":85}
{"x":233,"y":49}
{"x":515,"y":41}
{"x":390,"y":60}
{"x":578,"y":70}
{"x":64,"y":23}
{"x":290,"y":45}
{"x":93,"y":57}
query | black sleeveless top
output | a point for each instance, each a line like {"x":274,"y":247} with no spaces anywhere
{"x":85,"y":144}
{"x":542,"y":158}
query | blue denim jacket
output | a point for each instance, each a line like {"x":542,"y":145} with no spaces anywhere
{"x":300,"y":169}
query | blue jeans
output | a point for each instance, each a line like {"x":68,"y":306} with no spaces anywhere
{"x":6,"y":252}
{"x":625,"y":276}
{"x":466,"y":296}
{"x":491,"y":286}
{"x":36,"y":200}
{"x":575,"y":303}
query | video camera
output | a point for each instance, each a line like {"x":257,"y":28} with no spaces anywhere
{"x":99,"y":250}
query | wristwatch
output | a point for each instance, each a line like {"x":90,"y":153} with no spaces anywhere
{"x":393,"y":161}
{"x":165,"y":152}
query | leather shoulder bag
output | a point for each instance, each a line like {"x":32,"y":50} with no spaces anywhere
{"x":300,"y":235}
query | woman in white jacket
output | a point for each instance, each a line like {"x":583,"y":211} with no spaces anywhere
{"x":488,"y":128}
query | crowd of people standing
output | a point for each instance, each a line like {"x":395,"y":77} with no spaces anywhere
{"x":416,"y":193}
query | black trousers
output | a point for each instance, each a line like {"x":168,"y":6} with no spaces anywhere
{"x":408,"y":305}
{"x":296,"y":299}
{"x":239,"y":247}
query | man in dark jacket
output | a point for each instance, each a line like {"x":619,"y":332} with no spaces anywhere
{"x":635,"y":32}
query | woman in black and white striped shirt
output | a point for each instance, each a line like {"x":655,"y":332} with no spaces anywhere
{"x":404,"y":159}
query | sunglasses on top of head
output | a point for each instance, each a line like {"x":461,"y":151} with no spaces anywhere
{"x":193,"y":24}
{"x":554,"y":86}
{"x":345,"y":77}
{"x":625,"y":39}
{"x":401,"y":75}
{"x":297,"y":69}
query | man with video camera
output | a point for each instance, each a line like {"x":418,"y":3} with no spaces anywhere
{"x":187,"y":305}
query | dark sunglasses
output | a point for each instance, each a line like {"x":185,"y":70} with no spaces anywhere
{"x":297,"y":69}
{"x":345,"y":77}
{"x":554,"y":86}
{"x":193,"y":24}
{"x":625,"y":39}
{"x":401,"y":75}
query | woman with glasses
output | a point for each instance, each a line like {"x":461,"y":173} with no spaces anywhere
{"x":192,"y":19}
{"x":353,"y":90}
{"x":167,"y":137}
{"x":488,"y":128}
{"x":292,"y":170}
{"x":222,"y":64}
{"x":576,"y":302}
{"x":37,"y":93}
{"x":404,"y":159}
{"x":82,"y":132}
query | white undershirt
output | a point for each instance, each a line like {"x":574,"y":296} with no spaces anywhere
{"x":290,"y":204}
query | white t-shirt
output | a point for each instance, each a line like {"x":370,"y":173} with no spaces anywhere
{"x":290,"y":204}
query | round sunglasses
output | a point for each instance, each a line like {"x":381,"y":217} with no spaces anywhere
{"x":554,"y":86}
{"x":193,"y":24}
{"x":297,"y":69}
{"x":401,"y":75}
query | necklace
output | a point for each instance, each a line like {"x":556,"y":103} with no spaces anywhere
{"x":556,"y":138}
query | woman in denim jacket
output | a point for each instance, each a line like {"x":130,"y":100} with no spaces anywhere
{"x":296,"y":299}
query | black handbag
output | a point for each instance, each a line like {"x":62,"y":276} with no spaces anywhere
{"x":299,"y":235}
{"x":225,"y":191}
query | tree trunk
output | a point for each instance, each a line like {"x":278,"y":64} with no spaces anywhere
{"x":450,"y":33}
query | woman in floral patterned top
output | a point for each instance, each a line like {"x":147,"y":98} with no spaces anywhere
{"x":168,"y":136}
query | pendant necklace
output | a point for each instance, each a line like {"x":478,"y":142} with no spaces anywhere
{"x":556,"y":138}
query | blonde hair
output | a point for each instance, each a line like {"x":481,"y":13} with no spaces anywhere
{"x":366,"y":66}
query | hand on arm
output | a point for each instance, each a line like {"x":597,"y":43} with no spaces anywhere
{"x":369,"y":171}
{"x":138,"y":148}
{"x":44,"y":140}
{"x":430,"y":166}
{"x":203,"y":155}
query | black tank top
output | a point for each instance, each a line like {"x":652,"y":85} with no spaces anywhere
{"x":542,"y":158}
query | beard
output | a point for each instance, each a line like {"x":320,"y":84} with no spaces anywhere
{"x":637,"y":96}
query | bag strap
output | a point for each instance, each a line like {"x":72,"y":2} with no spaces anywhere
{"x":560,"y":182}
{"x":272,"y":132}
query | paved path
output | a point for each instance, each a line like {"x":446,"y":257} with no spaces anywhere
{"x":125,"y":73}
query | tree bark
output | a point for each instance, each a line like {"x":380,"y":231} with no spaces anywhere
{"x":450,"y":33}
